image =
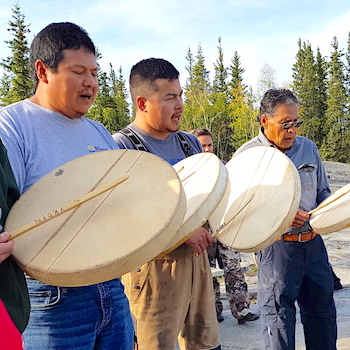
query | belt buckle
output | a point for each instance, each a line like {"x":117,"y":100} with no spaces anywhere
{"x":300,"y":236}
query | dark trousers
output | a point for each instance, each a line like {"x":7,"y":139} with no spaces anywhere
{"x":296,"y":271}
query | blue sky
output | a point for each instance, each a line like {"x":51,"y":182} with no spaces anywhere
{"x":261,"y":31}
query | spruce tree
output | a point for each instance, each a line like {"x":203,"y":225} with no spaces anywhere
{"x":16,"y":84}
{"x":309,"y":87}
{"x":336,"y":146}
{"x":243,"y":116}
{"x":111,"y":107}
{"x":220,"y":113}
{"x":120,"y":96}
{"x":220,"y":72}
{"x":236,"y":72}
{"x":197,"y":107}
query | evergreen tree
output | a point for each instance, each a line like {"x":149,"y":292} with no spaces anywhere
{"x":236,"y":72}
{"x":243,"y":116}
{"x":321,"y":67}
{"x":220,"y":75}
{"x":197,"y":107}
{"x":347,"y":67}
{"x":16,"y":83}
{"x":220,"y":113}
{"x":309,"y":87}
{"x":187,"y":121}
{"x":336,"y":146}
{"x":111,"y":107}
{"x":201,"y":80}
{"x":120,"y":96}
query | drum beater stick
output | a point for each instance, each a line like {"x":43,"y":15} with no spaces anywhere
{"x":67,"y":207}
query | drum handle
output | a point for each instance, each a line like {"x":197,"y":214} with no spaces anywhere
{"x":77,"y":202}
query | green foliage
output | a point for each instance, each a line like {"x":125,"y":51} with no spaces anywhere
{"x":224,"y":107}
{"x":16,"y":83}
{"x":111,"y":107}
{"x":309,"y":86}
{"x":336,"y":143}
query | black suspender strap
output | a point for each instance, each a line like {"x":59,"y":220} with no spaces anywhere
{"x":134,"y":139}
{"x":139,"y":145}
{"x":186,"y":147}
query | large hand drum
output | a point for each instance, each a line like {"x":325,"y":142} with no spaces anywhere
{"x":204,"y":178}
{"x":261,"y":199}
{"x":333,"y":214}
{"x":107,"y":236}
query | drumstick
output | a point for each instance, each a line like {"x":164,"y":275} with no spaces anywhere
{"x":324,"y":205}
{"x":53,"y":214}
{"x":218,"y":231}
{"x":184,"y":239}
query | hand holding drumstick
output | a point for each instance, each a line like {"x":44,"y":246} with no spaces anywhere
{"x":300,"y":218}
{"x":200,"y":240}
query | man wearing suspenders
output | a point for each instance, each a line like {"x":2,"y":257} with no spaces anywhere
{"x":171,"y":297}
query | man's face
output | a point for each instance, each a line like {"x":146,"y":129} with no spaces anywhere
{"x":163,"y":109}
{"x":73,"y":88}
{"x":206,"y":142}
{"x":282,"y":138}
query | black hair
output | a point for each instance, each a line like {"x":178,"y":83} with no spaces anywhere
{"x":49,"y":43}
{"x":274,"y":97}
{"x":144,"y":74}
{"x":201,"y":132}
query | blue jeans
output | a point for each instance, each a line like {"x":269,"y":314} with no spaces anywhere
{"x":85,"y":318}
{"x":296,"y":271}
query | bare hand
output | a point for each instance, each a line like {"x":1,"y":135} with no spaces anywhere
{"x":6,"y":246}
{"x":300,"y":218}
{"x":200,"y":240}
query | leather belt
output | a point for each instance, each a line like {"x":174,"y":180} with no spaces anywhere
{"x":298,"y":237}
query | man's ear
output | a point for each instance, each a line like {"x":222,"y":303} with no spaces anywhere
{"x":41,"y":71}
{"x":263,"y":120}
{"x":141,"y":103}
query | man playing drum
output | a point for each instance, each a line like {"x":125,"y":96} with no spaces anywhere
{"x":40,"y":134}
{"x":295,"y":267}
{"x":171,"y":297}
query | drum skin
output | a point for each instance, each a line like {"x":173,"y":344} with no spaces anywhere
{"x":204,"y":178}
{"x":107,"y":236}
{"x":333,"y":214}
{"x":261,"y":199}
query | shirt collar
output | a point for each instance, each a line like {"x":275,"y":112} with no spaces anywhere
{"x":266,"y":142}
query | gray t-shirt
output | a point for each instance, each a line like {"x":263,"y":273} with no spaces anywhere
{"x":168,"y":149}
{"x":39,"y":140}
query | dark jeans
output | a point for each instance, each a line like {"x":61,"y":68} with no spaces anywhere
{"x":296,"y":271}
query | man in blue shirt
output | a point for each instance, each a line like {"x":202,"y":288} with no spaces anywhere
{"x":295,"y":267}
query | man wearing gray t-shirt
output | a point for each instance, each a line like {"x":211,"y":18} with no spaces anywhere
{"x":40,"y":134}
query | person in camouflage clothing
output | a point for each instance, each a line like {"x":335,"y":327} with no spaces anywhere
{"x":229,"y":261}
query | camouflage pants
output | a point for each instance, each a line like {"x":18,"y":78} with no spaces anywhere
{"x":236,"y":288}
